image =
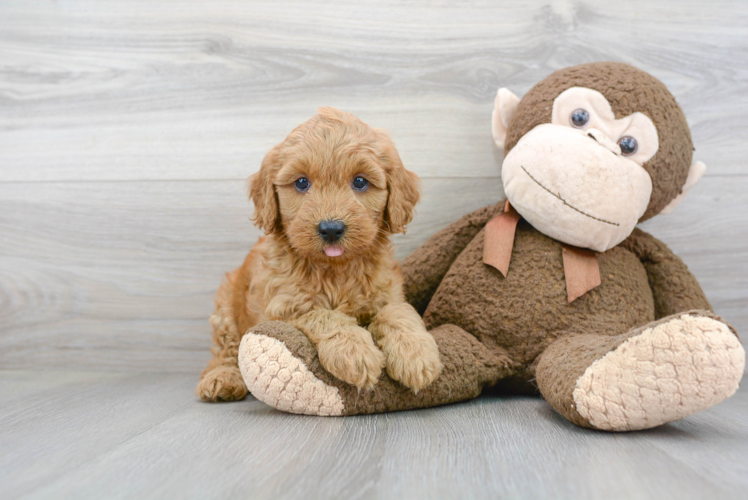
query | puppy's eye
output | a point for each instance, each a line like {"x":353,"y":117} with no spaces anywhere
{"x":579,"y":117}
{"x":360,"y":184}
{"x":302,"y":184}
{"x":628,"y":145}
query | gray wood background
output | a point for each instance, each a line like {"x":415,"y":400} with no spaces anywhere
{"x":127,"y":129}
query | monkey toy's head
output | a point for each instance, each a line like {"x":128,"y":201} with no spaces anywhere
{"x":592,"y":150}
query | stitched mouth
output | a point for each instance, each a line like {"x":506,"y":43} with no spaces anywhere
{"x":566,"y":203}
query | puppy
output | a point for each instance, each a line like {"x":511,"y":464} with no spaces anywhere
{"x":327,"y":197}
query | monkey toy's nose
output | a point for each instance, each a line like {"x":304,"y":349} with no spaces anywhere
{"x":331,"y":230}
{"x":604,"y":141}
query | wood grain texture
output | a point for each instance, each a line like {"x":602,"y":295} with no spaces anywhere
{"x":147,"y":89}
{"x":123,"y":277}
{"x":146,"y":436}
{"x":127,"y":130}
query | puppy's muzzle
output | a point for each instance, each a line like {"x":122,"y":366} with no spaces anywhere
{"x":331,"y":230}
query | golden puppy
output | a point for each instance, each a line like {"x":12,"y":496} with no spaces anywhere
{"x":328,"y":198}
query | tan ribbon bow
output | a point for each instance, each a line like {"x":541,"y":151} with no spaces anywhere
{"x":581,"y":269}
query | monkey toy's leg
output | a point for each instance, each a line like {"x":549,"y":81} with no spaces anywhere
{"x":281,"y":368}
{"x":663,"y":371}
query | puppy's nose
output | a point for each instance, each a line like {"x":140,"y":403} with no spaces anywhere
{"x":331,"y":230}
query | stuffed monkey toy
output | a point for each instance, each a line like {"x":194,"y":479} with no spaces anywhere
{"x":553,"y":290}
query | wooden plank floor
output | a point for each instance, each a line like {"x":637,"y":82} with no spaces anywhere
{"x":92,"y":435}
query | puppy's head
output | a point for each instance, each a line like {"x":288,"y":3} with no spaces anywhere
{"x":334,"y":188}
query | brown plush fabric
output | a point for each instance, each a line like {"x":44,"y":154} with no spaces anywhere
{"x":423,"y":271}
{"x":468,"y":367}
{"x":526,"y":311}
{"x":674,"y":290}
{"x":568,"y":358}
{"x":628,"y":90}
{"x":565,"y":361}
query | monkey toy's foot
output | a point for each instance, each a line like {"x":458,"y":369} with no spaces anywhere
{"x":655,"y":374}
{"x":281,"y":368}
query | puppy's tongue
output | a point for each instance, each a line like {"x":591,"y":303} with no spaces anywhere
{"x":333,"y":251}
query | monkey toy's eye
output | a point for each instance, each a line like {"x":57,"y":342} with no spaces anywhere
{"x":302,"y":184}
{"x":628,"y":145}
{"x":360,"y":184}
{"x":579,"y":117}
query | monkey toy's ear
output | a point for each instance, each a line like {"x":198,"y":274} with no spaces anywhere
{"x":503,"y":110}
{"x":694,"y":174}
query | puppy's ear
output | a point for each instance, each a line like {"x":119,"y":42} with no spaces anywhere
{"x":262,"y":193}
{"x":403,"y":186}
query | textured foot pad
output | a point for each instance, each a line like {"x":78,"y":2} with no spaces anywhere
{"x":667,"y":372}
{"x":277,"y":378}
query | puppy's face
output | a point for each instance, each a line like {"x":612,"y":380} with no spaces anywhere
{"x":332,"y":196}
{"x":334,"y":188}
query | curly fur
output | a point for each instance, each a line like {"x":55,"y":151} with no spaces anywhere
{"x":341,"y":303}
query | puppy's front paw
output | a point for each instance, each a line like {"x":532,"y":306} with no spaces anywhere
{"x":351,"y":356}
{"x":222,"y":383}
{"x":412,"y":358}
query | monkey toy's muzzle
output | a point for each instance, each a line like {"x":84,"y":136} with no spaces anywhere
{"x":571,"y":187}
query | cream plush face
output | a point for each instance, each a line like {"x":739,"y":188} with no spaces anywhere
{"x":579,"y":179}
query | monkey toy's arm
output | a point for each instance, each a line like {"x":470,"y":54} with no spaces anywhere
{"x":424,"y":269}
{"x":674,"y":288}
